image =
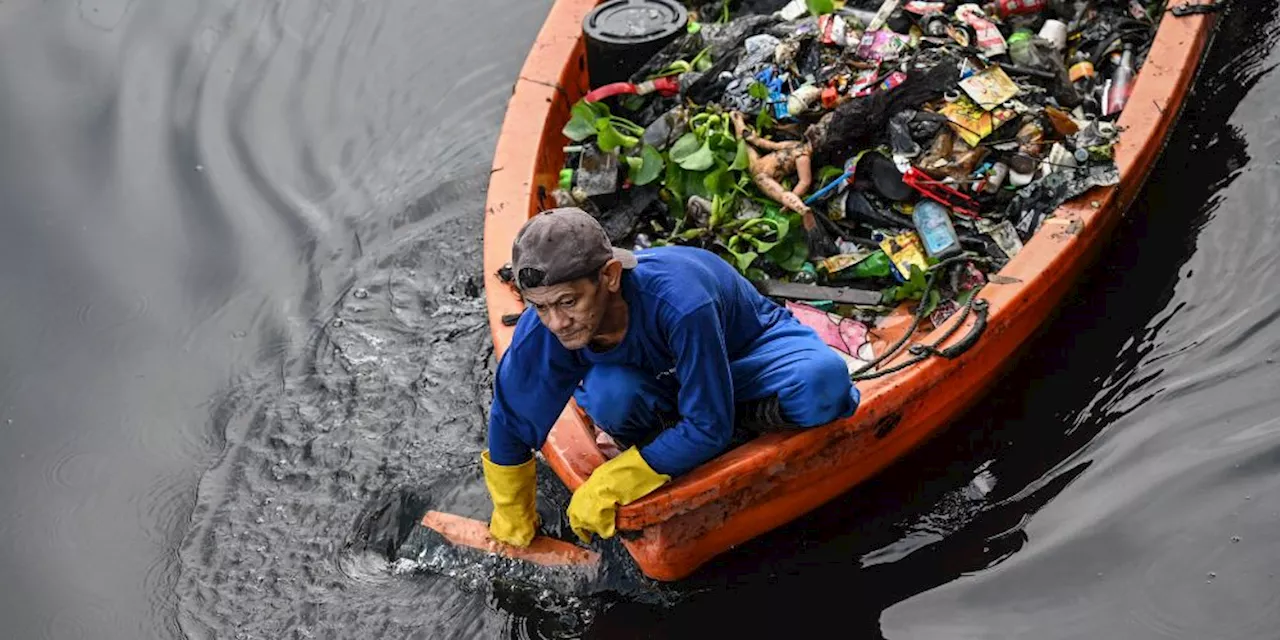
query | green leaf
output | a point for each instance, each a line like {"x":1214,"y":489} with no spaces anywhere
{"x":764,"y":120}
{"x":820,"y":7}
{"x":684,"y":147}
{"x":723,"y":142}
{"x":719,"y":182}
{"x":650,"y":166}
{"x":582,"y":124}
{"x":793,"y":250}
{"x":763,"y":246}
{"x":599,"y":108}
{"x":932,"y":303}
{"x":721,"y":209}
{"x":626,"y":126}
{"x":702,"y":61}
{"x":743,"y":254}
{"x":758,"y":90}
{"x":829,"y":173}
{"x":759,"y":226}
{"x":741,"y":161}
{"x":674,"y":180}
{"x":912,"y":289}
{"x":964,"y":296}
{"x":790,"y":254}
{"x":690,"y":234}
{"x":785,"y":224}
{"x":741,"y":185}
{"x":744,"y":260}
{"x":699,"y":160}
{"x":756,"y":274}
{"x":632,"y":102}
{"x":610,"y":139}
{"x":693,"y":26}
{"x":695,"y":184}
{"x":764,"y":233}
{"x":674,"y":69}
{"x":634,"y":165}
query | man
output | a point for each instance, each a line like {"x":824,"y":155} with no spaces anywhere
{"x":673,"y":334}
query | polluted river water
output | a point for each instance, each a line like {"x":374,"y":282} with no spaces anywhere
{"x":245,"y":340}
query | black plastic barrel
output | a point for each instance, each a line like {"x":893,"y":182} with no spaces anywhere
{"x":622,"y":35}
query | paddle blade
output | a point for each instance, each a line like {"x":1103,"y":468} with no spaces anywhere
{"x":544,"y":551}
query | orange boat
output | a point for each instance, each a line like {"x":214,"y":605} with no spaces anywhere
{"x":778,"y":477}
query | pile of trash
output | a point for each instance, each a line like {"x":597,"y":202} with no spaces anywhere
{"x":860,"y":145}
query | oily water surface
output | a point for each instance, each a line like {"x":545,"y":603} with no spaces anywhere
{"x":244,"y":340}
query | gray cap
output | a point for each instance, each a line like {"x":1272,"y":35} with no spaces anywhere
{"x":560,"y":245}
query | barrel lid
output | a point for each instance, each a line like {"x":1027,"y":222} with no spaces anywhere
{"x":635,"y":21}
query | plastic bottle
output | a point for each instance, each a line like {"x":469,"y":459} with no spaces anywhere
{"x":876,"y":265}
{"x":853,"y":266}
{"x":807,"y":274}
{"x":1121,"y":83}
{"x":802,"y":99}
{"x":995,"y":180}
{"x":933,"y":223}
{"x":1010,"y":8}
{"x":1020,"y":48}
{"x":1054,"y":32}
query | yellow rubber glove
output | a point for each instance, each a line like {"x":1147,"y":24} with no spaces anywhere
{"x":622,"y":480}
{"x":513,"y":490}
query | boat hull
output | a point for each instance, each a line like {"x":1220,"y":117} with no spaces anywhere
{"x":777,"y":478}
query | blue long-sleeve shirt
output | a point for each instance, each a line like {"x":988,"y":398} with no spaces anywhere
{"x":690,"y":314}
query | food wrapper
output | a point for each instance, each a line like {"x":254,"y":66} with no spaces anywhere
{"x":904,"y":250}
{"x":990,"y":40}
{"x":864,"y":83}
{"x":1004,"y":235}
{"x":840,"y":262}
{"x":881,"y":45}
{"x":973,"y":123}
{"x":990,"y":87}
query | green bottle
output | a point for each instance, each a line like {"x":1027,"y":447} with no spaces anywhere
{"x":876,"y":265}
{"x":806,"y":275}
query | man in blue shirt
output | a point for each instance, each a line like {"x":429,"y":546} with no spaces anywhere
{"x":669,"y":335}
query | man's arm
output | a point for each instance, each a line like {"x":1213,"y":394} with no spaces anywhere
{"x":535,"y":380}
{"x":533,"y":383}
{"x":706,"y":395}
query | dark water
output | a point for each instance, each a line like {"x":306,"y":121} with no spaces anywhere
{"x":239,"y":260}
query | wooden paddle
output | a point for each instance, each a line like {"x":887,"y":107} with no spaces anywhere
{"x":548,"y":552}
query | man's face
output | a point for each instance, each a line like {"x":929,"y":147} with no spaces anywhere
{"x":572,"y":311}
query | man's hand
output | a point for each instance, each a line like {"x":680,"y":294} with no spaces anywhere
{"x":619,"y":481}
